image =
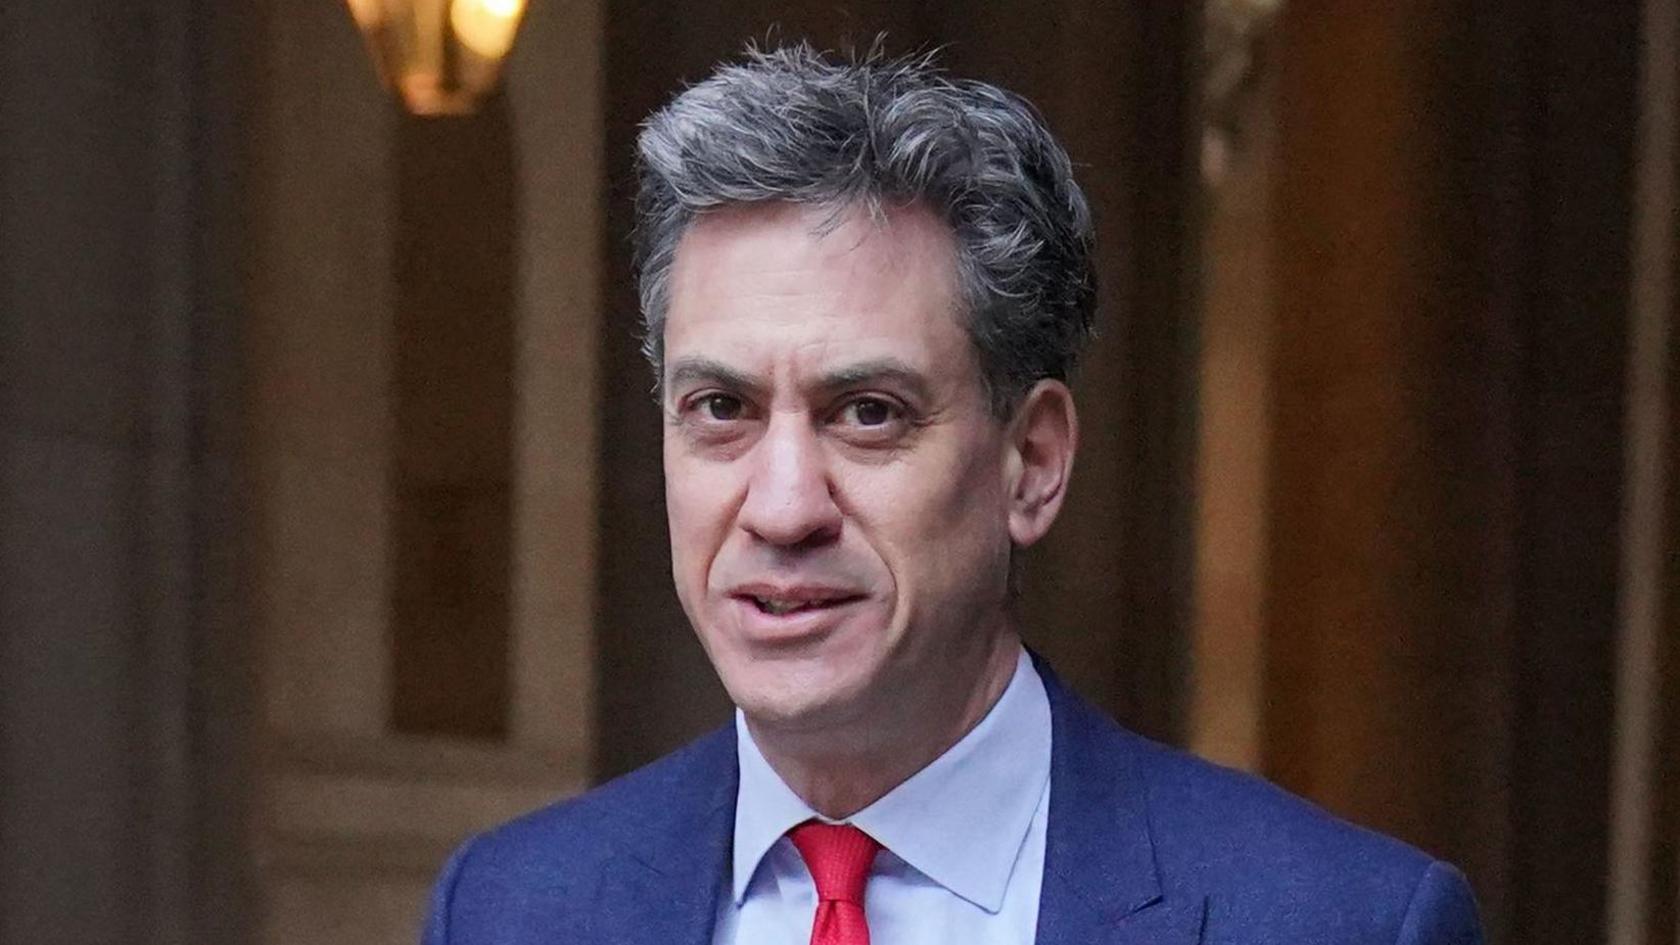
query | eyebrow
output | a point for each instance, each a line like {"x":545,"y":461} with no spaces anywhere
{"x":696,"y":370}
{"x":873,"y":372}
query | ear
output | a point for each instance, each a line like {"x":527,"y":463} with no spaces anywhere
{"x":1044,"y":435}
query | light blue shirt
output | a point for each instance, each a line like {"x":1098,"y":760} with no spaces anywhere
{"x":963,"y":838}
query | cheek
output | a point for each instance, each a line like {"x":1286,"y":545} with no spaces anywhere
{"x":970,"y":499}
{"x":696,"y":503}
{"x":977,"y":520}
{"x":942,"y":523}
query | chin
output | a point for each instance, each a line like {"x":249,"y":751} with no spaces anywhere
{"x":783,"y":694}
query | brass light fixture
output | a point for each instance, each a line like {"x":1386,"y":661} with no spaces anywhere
{"x":440,"y":56}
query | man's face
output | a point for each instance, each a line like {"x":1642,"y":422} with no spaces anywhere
{"x":836,"y":483}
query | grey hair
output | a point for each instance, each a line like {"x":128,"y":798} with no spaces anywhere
{"x":797,"y":125}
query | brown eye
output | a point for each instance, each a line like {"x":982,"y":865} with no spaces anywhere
{"x":721,"y":407}
{"x":871,"y":412}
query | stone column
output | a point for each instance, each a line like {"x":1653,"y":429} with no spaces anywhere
{"x":373,"y":767}
{"x":118,"y":772}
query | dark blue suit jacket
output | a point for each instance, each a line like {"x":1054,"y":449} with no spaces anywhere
{"x":1146,"y":846}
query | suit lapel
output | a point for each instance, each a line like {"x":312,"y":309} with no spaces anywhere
{"x":1101,"y":879}
{"x":1067,"y":917}
{"x":664,"y":886}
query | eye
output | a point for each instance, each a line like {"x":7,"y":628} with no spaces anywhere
{"x":720,"y":407}
{"x":870,"y":411}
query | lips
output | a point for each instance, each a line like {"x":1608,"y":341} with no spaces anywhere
{"x":789,"y":601}
{"x":781,"y":606}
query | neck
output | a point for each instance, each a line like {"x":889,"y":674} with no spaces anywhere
{"x":841,"y":773}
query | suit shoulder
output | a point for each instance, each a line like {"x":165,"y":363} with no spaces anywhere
{"x":532,"y":878}
{"x":588,"y":826}
{"x":1206,"y":820}
{"x":1269,"y":860}
{"x":1265,"y":865}
{"x":1230,"y":818}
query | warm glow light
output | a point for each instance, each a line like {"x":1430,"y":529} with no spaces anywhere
{"x":486,"y":26}
{"x":441,"y":56}
{"x":367,"y":12}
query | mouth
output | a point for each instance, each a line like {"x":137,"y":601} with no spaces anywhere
{"x":791,"y":602}
{"x":783,"y":606}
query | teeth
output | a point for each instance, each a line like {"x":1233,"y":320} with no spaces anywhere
{"x":780,"y":607}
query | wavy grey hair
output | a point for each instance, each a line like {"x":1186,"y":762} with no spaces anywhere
{"x":794,"y":124}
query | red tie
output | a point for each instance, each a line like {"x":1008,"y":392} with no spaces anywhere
{"x":838,"y":856}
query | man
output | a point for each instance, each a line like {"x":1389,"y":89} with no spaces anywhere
{"x":864,"y":286}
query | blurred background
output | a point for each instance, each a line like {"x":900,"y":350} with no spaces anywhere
{"x":331,"y":523}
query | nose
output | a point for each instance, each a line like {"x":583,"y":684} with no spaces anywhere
{"x":789,"y":501}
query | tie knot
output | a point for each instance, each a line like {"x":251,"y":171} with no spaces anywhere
{"x":838,"y":856}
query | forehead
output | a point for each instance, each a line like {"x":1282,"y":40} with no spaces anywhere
{"x":786,"y":285}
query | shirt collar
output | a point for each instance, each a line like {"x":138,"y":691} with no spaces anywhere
{"x":994,"y":776}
